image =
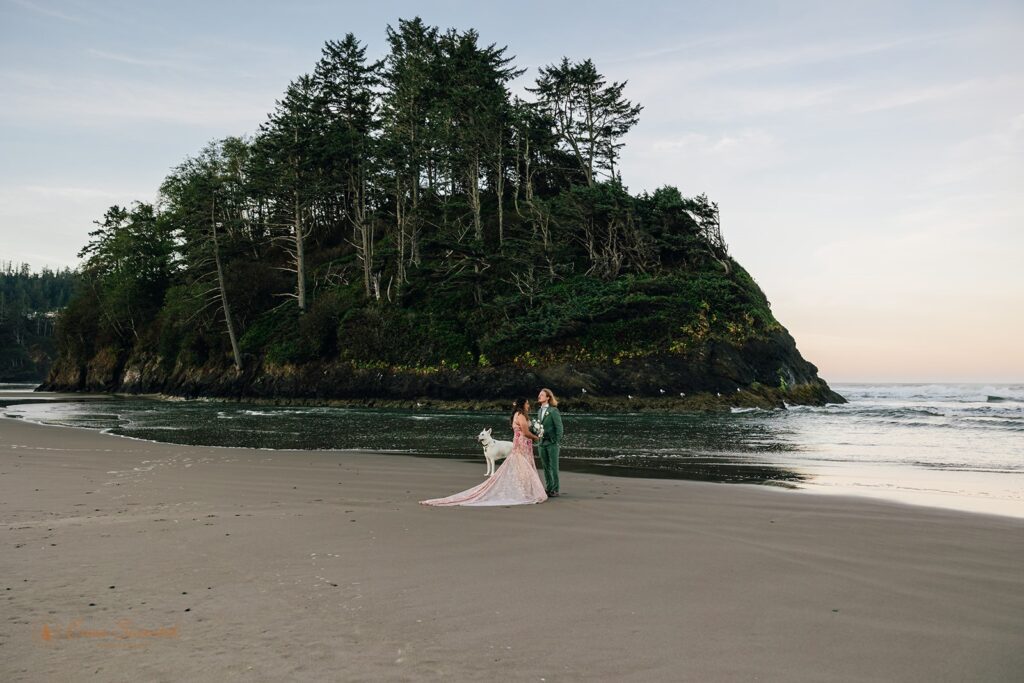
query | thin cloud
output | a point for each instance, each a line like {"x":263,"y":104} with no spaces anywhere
{"x":139,"y":61}
{"x":105,"y":102}
{"x":656,"y":53}
{"x":74,"y":193}
{"x":901,"y":97}
{"x":744,"y":142}
{"x":736,"y":53}
{"x":223,"y":44}
{"x":715,"y":104}
{"x":49,"y":12}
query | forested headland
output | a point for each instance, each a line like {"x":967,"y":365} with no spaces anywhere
{"x":409,"y":230}
{"x":29,"y":302}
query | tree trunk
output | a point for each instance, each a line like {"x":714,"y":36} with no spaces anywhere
{"x":473,"y":182}
{"x":591,"y":138}
{"x":517,"y":181}
{"x":224,"y":294}
{"x":300,"y":256}
{"x":367,"y":241}
{"x":400,"y":220}
{"x":362,"y":231}
{"x":499,"y":188}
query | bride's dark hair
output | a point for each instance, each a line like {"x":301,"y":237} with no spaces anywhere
{"x":518,"y":406}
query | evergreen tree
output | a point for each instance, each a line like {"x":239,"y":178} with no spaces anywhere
{"x":590,"y":116}
{"x":409,"y":133}
{"x":346,"y":91}
{"x":128,"y":265}
{"x":476,"y":100}
{"x":289,"y":150}
{"x":205,"y":198}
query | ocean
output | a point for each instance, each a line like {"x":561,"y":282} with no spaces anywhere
{"x":958,"y":446}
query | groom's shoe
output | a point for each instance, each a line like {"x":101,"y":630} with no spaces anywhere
{"x":553,"y":494}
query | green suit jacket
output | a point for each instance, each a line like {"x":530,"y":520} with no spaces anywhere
{"x":552,"y":424}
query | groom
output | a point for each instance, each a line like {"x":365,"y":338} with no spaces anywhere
{"x":551,"y":421}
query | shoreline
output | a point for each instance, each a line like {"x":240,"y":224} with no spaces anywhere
{"x":966,"y":504}
{"x":763,"y":398}
{"x":319,"y":564}
{"x":869,"y":482}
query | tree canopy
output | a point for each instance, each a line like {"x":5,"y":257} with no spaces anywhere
{"x":29,"y":302}
{"x":411,"y":212}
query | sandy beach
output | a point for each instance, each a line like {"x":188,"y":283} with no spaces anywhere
{"x":131,"y":560}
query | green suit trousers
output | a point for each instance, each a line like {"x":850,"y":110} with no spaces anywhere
{"x":549,"y":459}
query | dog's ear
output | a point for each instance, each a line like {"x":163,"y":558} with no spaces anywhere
{"x":488,"y":430}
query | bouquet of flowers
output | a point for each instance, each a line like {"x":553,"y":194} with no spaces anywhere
{"x":537,"y":428}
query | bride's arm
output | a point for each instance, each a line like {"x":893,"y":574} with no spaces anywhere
{"x":524,"y":427}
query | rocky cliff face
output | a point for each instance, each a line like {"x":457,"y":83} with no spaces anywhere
{"x":763,"y":372}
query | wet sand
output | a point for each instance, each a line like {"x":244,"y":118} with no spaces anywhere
{"x":130,"y":560}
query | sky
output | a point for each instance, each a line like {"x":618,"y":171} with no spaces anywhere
{"x":867,"y":157}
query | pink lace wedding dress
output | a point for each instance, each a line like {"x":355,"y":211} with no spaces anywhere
{"x":515,"y":482}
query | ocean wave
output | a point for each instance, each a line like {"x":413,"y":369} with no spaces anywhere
{"x":919,"y":423}
{"x":810,"y":409}
{"x":932,"y":392}
{"x":922,"y":414}
{"x":1001,"y":422}
{"x":990,"y":409}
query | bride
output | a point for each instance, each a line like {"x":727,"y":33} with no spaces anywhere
{"x":516,"y":481}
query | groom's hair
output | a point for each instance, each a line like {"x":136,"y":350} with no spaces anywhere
{"x":552,"y":401}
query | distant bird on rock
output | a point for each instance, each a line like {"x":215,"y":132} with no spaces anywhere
{"x":682,"y":393}
{"x":629,"y":396}
{"x":584,"y":390}
{"x":661,"y":390}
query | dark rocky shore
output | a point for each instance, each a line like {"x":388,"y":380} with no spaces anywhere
{"x":714,"y":376}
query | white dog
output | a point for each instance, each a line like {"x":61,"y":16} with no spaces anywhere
{"x":493,"y":450}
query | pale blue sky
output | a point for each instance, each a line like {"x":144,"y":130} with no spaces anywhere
{"x":868,"y":157}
